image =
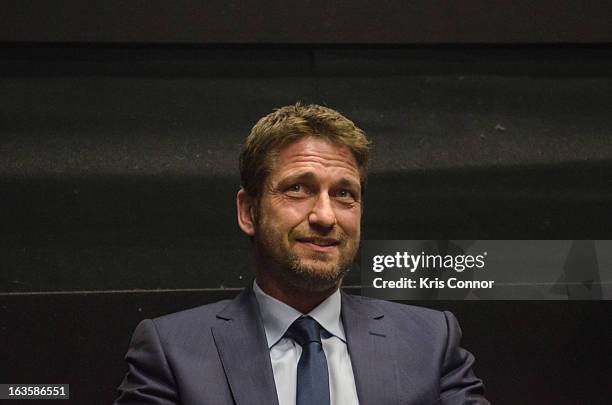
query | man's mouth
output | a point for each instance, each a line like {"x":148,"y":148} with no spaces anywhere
{"x":319,"y":244}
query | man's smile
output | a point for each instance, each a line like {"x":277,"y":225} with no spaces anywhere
{"x":319,"y":244}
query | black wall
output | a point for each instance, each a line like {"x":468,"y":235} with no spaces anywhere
{"x":306,"y":22}
{"x":118,"y":167}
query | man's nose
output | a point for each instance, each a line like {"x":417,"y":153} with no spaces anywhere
{"x":322,"y":213}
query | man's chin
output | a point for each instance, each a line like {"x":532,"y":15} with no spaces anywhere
{"x":316,"y":276}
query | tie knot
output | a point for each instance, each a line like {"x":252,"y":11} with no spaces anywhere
{"x":304,"y":330}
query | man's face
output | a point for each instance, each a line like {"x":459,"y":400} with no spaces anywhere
{"x":308,"y":224}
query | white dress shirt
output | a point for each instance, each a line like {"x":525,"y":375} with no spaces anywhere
{"x":285,"y":353}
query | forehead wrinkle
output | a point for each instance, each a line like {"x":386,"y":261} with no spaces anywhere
{"x":324,"y":161}
{"x":300,"y":170}
{"x":314,"y":155}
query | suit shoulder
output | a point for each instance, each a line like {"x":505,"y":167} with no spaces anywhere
{"x":406,"y":314}
{"x":202,"y":315}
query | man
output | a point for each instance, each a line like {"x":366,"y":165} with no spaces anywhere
{"x":292,"y":337}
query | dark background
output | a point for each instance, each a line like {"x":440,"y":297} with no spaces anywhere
{"x":120,"y":126}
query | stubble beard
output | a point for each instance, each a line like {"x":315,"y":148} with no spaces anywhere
{"x":317,"y":273}
{"x":318,"y":276}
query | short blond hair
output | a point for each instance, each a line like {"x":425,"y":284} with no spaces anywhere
{"x":289,"y":124}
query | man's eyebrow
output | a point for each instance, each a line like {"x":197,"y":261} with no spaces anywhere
{"x":346,"y":182}
{"x":310,"y":176}
{"x":306,"y":176}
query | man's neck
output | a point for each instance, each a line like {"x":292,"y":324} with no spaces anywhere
{"x":303,"y":301}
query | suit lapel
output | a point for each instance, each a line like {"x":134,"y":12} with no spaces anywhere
{"x":240,"y":339}
{"x":372,"y":353}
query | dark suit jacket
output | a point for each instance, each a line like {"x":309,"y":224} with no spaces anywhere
{"x":218,"y":354}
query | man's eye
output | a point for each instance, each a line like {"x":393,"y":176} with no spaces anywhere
{"x":296,"y":190}
{"x":345,"y":194}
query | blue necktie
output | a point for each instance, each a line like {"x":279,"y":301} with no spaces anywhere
{"x":312,"y":375}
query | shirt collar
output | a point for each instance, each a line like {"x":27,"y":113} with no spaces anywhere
{"x":277,"y":316}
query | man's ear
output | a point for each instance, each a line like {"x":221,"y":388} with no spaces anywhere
{"x":245,"y":207}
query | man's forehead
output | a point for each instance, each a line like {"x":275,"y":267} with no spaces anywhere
{"x":316,"y":151}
